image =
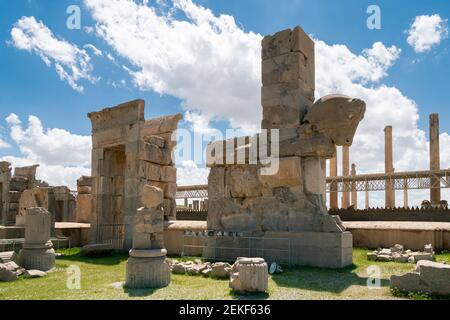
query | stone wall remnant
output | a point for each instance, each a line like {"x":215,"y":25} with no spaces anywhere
{"x":37,"y":252}
{"x":147,"y":266}
{"x":292,"y":201}
{"x":129,"y":153}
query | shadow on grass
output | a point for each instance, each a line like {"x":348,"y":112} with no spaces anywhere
{"x":249,"y":296}
{"x":322,"y":280}
{"x":114,"y":258}
{"x":135,"y":293}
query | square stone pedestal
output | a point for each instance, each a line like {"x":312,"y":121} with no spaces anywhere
{"x":315,"y":249}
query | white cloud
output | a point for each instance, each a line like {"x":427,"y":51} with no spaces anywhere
{"x":94,"y":49}
{"x":3,"y":144}
{"x":63,"y":157}
{"x":427,"y":31}
{"x":71,"y":63}
{"x":188,"y":173}
{"x":207,"y":61}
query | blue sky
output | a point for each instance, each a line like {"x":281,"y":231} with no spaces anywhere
{"x":30,"y":87}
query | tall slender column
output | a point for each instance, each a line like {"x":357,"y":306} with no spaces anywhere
{"x":354,"y":192}
{"x":405,"y":194}
{"x":435,"y":162}
{"x":345,"y":203}
{"x":367,"y":195}
{"x":333,"y":192}
{"x":389,"y":167}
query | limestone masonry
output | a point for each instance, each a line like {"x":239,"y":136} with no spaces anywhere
{"x":290,"y":203}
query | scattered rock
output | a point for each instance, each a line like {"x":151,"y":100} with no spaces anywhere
{"x":34,"y":274}
{"x":220,"y":270}
{"x":96,"y":250}
{"x":179,"y":269}
{"x":398,"y":254}
{"x":10,"y":271}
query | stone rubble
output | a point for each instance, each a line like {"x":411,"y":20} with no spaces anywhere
{"x":219,"y":270}
{"x":398,"y":254}
{"x":34,"y":274}
{"x":10,"y":271}
{"x":427,"y":277}
{"x":8,"y":256}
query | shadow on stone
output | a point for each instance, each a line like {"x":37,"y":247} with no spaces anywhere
{"x":322,"y":280}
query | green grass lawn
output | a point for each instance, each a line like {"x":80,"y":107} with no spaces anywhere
{"x":98,"y":276}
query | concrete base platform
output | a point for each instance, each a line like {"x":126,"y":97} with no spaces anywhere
{"x":412,"y":235}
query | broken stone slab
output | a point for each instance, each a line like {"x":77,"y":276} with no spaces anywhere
{"x":10,"y":271}
{"x":34,"y":274}
{"x":427,"y":277}
{"x":96,"y":250}
{"x":397,"y":253}
{"x":249,"y":275}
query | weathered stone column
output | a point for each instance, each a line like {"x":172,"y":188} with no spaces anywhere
{"x":37,"y":252}
{"x":333,"y":173}
{"x":435,"y":159}
{"x":354,"y":192}
{"x":147,"y":266}
{"x":389,"y":167}
{"x":345,"y":202}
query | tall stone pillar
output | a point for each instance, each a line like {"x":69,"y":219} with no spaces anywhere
{"x":354,"y":192}
{"x":37,"y":252}
{"x":345,"y":202}
{"x":389,"y":167}
{"x":333,"y":188}
{"x":435,"y":162}
{"x":147,"y":266}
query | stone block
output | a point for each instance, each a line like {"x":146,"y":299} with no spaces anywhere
{"x":295,"y":94}
{"x":156,"y":140}
{"x":155,"y":154}
{"x":96,"y":250}
{"x":84,"y":208}
{"x":288,"y":67}
{"x":289,"y":174}
{"x":314,"y":175}
{"x":244,"y":182}
{"x":239,"y":222}
{"x":216,"y":183}
{"x":156,"y":126}
{"x":168,"y":174}
{"x":152,"y":197}
{"x":277,"y":117}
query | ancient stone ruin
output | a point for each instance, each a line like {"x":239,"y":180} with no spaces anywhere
{"x":147,"y":266}
{"x":37,"y":252}
{"x":249,"y":275}
{"x":427,"y":277}
{"x":129,"y":153}
{"x":289,"y":203}
{"x":84,"y":200}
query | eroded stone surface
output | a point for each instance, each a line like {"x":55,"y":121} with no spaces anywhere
{"x":398,"y":254}
{"x":249,"y":275}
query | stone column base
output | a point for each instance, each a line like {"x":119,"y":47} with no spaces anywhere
{"x":147,"y":272}
{"x":42,"y":259}
{"x":315,"y":249}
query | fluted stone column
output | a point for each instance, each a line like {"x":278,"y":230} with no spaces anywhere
{"x":249,"y":275}
{"x":37,"y":252}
